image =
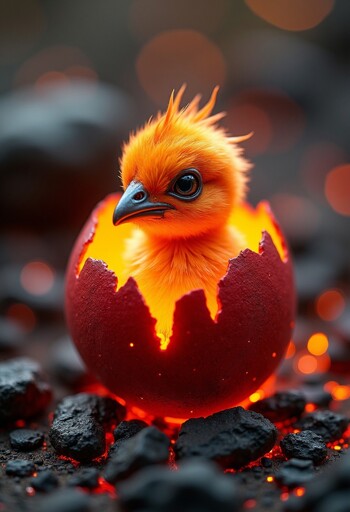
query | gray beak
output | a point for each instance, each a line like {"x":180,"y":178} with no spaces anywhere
{"x":135,"y":203}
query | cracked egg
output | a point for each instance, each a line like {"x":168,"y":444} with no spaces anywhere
{"x":210,"y":361}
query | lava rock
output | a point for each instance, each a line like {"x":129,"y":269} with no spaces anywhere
{"x":317,"y":395}
{"x":328,"y":424}
{"x":20,"y":467}
{"x":25,"y":440}
{"x":281,"y":406}
{"x":295,"y":473}
{"x":66,"y":500}
{"x":87,"y":477}
{"x":197,"y":486}
{"x":233,"y":438}
{"x":150,"y":446}
{"x":78,"y":429}
{"x":127,"y":429}
{"x":46,"y":481}
{"x":23,"y":391}
{"x":330,"y":489}
{"x":304,"y":445}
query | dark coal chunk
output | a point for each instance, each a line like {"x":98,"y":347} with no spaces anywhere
{"x":329,"y":489}
{"x":87,"y":477}
{"x":295,"y":473}
{"x":234,"y":437}
{"x":78,"y":428}
{"x":20,"y":467}
{"x":198,"y":486}
{"x":281,"y":406}
{"x":304,"y":445}
{"x":317,"y":395}
{"x":328,"y":424}
{"x":127,"y":429}
{"x":65,"y":500}
{"x":26,"y":440}
{"x":46,"y":481}
{"x":150,"y":446}
{"x":23,"y":390}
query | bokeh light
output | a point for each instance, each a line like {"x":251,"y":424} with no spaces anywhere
{"x":149,"y":17}
{"x":330,"y":304}
{"x":21,"y":25}
{"x":316,"y":162}
{"x":176,"y":57}
{"x":276,"y":120}
{"x":37,"y":278}
{"x":22,"y":315}
{"x":308,"y":364}
{"x":55,"y":62}
{"x":317,"y":344}
{"x":292,"y":15}
{"x":337,"y":189}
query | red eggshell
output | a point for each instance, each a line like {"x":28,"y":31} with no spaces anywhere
{"x":209,"y":365}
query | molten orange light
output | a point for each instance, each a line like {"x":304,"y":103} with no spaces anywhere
{"x":330,"y":305}
{"x":290,"y":350}
{"x":299,"y":491}
{"x":337,"y":189}
{"x":257,"y":395}
{"x":317,"y":344}
{"x":107,"y":238}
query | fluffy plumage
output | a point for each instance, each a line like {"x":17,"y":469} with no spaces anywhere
{"x":190,"y":246}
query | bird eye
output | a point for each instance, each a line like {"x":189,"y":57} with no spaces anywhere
{"x":188,"y":185}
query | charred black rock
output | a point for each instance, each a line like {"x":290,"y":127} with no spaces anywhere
{"x":233,"y":437}
{"x":66,"y":365}
{"x":66,"y":500}
{"x":304,"y":445}
{"x":20,"y":467}
{"x":295,"y":473}
{"x":46,"y":481}
{"x":328,"y":424}
{"x":127,"y":429}
{"x":87,"y":477}
{"x":78,"y":429}
{"x":150,"y":446}
{"x":281,"y":406}
{"x":25,"y":440}
{"x":23,"y":390}
{"x":198,"y":486}
{"x":330,"y":492}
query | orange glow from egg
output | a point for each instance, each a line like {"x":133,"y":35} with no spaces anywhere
{"x":330,"y":304}
{"x":245,"y":219}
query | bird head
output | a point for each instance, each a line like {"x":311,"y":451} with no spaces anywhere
{"x":181,"y":173}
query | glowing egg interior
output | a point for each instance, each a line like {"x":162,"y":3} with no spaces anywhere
{"x":108,"y":243}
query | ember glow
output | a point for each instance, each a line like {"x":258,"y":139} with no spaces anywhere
{"x":37,"y":277}
{"x":109,"y":244}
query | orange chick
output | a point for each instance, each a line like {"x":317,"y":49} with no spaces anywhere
{"x":182,"y":176}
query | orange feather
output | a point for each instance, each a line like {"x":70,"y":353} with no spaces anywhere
{"x":190,"y":247}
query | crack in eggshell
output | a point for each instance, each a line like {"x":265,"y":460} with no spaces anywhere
{"x":204,"y":366}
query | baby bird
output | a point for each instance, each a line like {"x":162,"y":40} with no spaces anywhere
{"x":182,"y":177}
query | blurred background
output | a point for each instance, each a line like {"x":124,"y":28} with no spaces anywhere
{"x":75,"y":77}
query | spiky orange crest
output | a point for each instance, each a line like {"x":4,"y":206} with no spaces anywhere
{"x":182,"y":138}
